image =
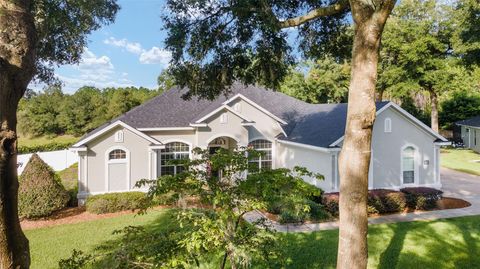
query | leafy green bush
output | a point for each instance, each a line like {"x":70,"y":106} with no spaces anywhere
{"x":422,"y":198}
{"x":115,"y":202}
{"x":290,"y":216}
{"x":317,"y":211}
{"x":40,"y":191}
{"x":44,"y":147}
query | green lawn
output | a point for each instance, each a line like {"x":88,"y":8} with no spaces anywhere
{"x":24,"y":140}
{"x":461,"y":160}
{"x":453,"y":243}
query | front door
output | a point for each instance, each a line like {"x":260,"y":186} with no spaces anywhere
{"x":215,"y":172}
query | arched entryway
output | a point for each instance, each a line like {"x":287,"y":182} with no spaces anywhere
{"x":224,"y":142}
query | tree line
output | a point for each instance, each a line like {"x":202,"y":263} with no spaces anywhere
{"x":427,"y":64}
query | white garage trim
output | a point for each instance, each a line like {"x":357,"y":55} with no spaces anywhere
{"x":108,"y":161}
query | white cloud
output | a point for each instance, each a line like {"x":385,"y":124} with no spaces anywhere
{"x":155,"y":55}
{"x":133,"y":47}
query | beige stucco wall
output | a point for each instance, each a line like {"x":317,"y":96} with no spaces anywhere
{"x":387,"y":149}
{"x":138,"y":162}
{"x":233,"y":129}
{"x":264,"y":127}
{"x":185,"y":136}
{"x":290,"y":156}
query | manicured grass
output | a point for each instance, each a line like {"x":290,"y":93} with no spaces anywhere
{"x":24,"y":140}
{"x":69,"y":176}
{"x":452,"y":243}
{"x":461,"y":160}
{"x":49,"y":245}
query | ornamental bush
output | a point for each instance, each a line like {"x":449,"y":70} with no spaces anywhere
{"x":40,"y":192}
{"x":115,"y":202}
{"x":386,"y":201}
{"x":422,"y":198}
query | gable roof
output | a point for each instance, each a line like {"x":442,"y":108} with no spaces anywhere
{"x":318,"y":125}
{"x":473,"y":122}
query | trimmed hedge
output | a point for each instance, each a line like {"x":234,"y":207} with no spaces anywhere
{"x":386,"y":201}
{"x":44,"y":147}
{"x":40,"y":192}
{"x":115,"y":202}
{"x":383,"y":201}
{"x":422,"y":198}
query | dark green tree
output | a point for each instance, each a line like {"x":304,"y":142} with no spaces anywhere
{"x":466,"y":36}
{"x":460,"y":106}
{"x":215,"y":43}
{"x":325,"y":82}
{"x":36,"y":35}
{"x":416,"y":53}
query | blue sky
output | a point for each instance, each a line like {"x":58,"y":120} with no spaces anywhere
{"x":128,"y":52}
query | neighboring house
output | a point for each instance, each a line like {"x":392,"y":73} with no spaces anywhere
{"x":138,"y":144}
{"x":470,"y":133}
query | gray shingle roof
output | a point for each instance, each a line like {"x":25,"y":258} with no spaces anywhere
{"x":312,"y":124}
{"x":475,"y":122}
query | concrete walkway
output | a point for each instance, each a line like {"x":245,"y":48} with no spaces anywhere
{"x":455,"y":184}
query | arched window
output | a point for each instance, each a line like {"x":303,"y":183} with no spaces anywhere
{"x":117,"y":154}
{"x":408,"y":165}
{"x":264,"y":161}
{"x":388,"y":125}
{"x":173,"y":151}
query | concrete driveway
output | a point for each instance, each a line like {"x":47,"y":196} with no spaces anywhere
{"x":460,"y":185}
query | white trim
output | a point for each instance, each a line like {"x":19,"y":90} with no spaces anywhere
{"x":321,"y":149}
{"x":126,"y":161}
{"x":476,"y":127}
{"x":110,"y":127}
{"x":407,"y":115}
{"x":448,"y":143}
{"x":416,"y":164}
{"x":220,"y":108}
{"x":250,"y":123}
{"x":167,"y":129}
{"x":256,"y":106}
{"x":78,"y":150}
{"x":198,"y":124}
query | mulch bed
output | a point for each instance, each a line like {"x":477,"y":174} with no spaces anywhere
{"x":444,"y":203}
{"x":69,"y":215}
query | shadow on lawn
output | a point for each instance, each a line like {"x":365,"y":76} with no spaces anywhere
{"x":449,"y":243}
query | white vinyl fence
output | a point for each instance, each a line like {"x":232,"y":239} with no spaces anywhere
{"x":58,"y":160}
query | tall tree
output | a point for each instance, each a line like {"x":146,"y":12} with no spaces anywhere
{"x":34,"y":37}
{"x":466,"y":37}
{"x":325,"y":82}
{"x":416,"y":53}
{"x":215,"y":43}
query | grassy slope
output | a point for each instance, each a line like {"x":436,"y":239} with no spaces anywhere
{"x":453,"y":243}
{"x":461,"y":160}
{"x":35,"y":141}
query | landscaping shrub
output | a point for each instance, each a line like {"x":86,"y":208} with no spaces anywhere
{"x":330,"y":201}
{"x":115,"y":202}
{"x":40,"y":192}
{"x":317,"y":211}
{"x":422,"y":198}
{"x":386,"y":201}
{"x":290,"y":216}
{"x":379,"y":202}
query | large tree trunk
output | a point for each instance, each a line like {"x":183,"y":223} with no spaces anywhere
{"x":355,"y":156}
{"x":434,"y":113}
{"x":17,"y":67}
